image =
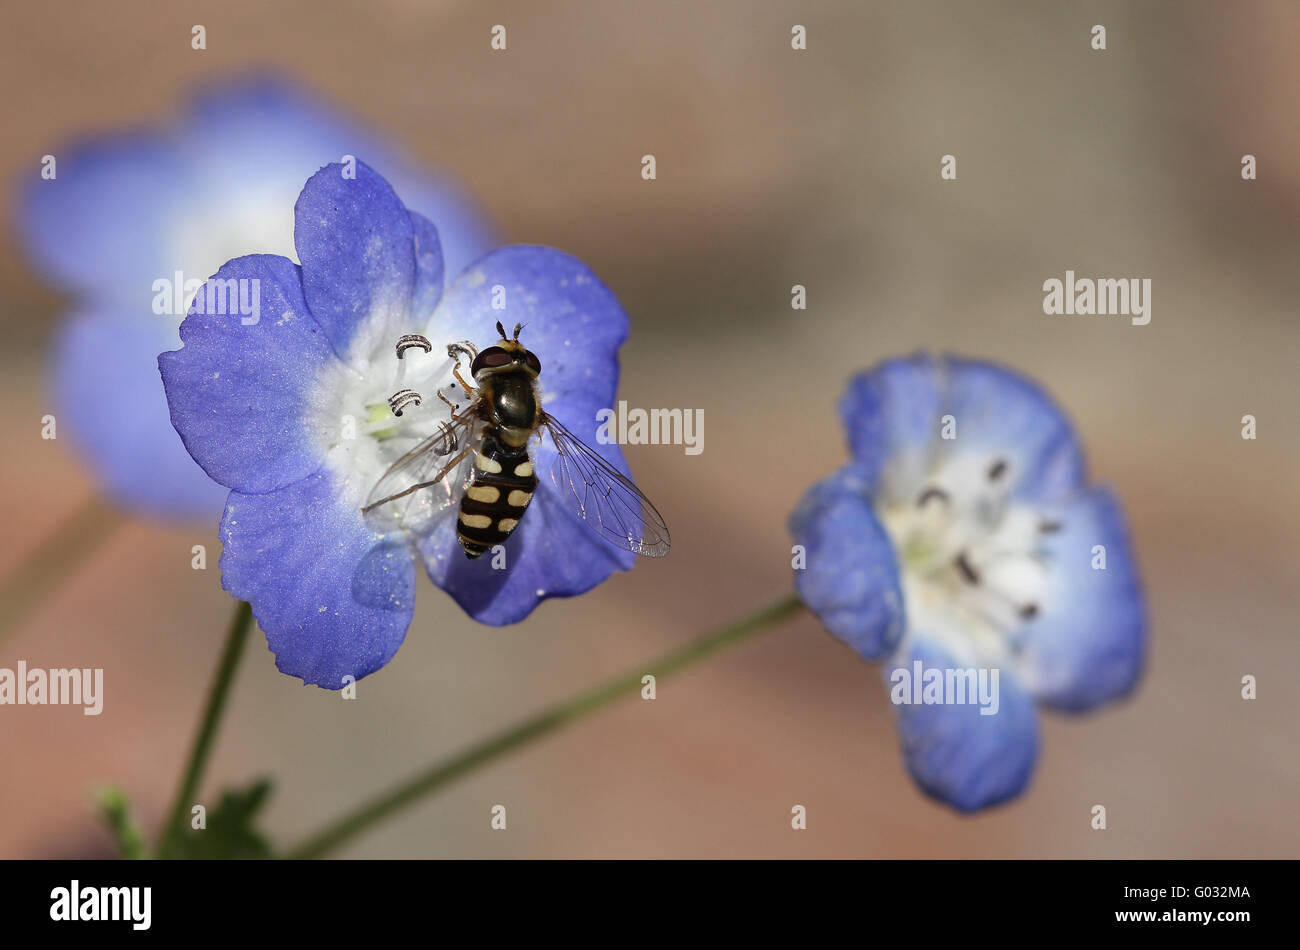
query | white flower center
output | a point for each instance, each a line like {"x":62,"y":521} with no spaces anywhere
{"x":972,"y":564}
{"x":370,"y":412}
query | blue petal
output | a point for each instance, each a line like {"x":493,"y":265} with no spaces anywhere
{"x":954,"y":752}
{"x":428,"y":269}
{"x":334,"y":598}
{"x":550,"y":554}
{"x":851,"y":577}
{"x":464,"y":232}
{"x":109,"y":402}
{"x":894,"y":414}
{"x":356,"y":242}
{"x":266,"y":133}
{"x":1087,"y":644}
{"x":129,"y":209}
{"x":240,"y":395}
{"x":101,"y":226}
{"x":571,"y":320}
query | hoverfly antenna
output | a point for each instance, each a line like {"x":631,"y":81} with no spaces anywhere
{"x":501,"y":330}
{"x":518,"y":327}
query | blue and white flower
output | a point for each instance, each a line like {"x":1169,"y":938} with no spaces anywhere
{"x":125,"y":214}
{"x":963,"y":534}
{"x":291,"y":414}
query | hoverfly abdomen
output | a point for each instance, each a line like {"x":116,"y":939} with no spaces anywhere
{"x":496,"y":497}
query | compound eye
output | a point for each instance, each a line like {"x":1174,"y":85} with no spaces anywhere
{"x":491,"y":358}
{"x":533,"y":362}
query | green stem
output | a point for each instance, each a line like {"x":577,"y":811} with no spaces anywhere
{"x":536,"y":726}
{"x":236,"y":637}
{"x":55,"y":559}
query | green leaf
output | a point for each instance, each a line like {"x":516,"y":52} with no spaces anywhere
{"x":115,"y":810}
{"x":231,"y":831}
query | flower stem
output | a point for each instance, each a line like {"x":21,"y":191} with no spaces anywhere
{"x":535,"y":726}
{"x":55,"y":559}
{"x":236,"y":637}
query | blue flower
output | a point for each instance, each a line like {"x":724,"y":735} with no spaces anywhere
{"x":963,"y":535}
{"x":125,"y":214}
{"x":290,"y":412}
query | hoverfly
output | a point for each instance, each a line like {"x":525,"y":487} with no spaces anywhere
{"x":480,"y":460}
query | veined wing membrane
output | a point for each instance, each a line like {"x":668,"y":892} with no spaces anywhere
{"x":425,"y":481}
{"x":603,"y":497}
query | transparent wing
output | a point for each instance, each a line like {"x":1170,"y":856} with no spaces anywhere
{"x":425,"y":481}
{"x":601,"y":496}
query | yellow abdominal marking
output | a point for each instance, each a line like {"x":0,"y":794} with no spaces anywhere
{"x":518,"y":499}
{"x":485,"y":464}
{"x":475,"y":521}
{"x":523,"y":469}
{"x":484,"y":493}
{"x":506,"y":525}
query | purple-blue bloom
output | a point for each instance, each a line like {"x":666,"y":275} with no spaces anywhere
{"x":964,"y":535}
{"x":126,"y":213}
{"x":290,"y":413}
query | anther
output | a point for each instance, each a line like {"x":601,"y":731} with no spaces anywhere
{"x":929,"y":493}
{"x":463,"y":348}
{"x":410,"y":340}
{"x":1049,"y":527}
{"x":1029,"y":611}
{"x":997,"y":470}
{"x":968,"y":573}
{"x":447,"y":440}
{"x":401,"y":399}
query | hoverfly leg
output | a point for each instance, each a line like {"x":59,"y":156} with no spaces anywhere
{"x":455,"y":415}
{"x":468,"y":350}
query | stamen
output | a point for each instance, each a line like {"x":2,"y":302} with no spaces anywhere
{"x":968,"y":573}
{"x":403,"y":398}
{"x":464,"y":348}
{"x":978,"y":552}
{"x":447,"y":440}
{"x":418,"y":340}
{"x":932,"y":493}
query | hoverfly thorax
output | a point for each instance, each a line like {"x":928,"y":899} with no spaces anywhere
{"x":480,"y":459}
{"x":505,"y":375}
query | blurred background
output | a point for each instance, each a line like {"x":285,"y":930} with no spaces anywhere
{"x":775,"y":167}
